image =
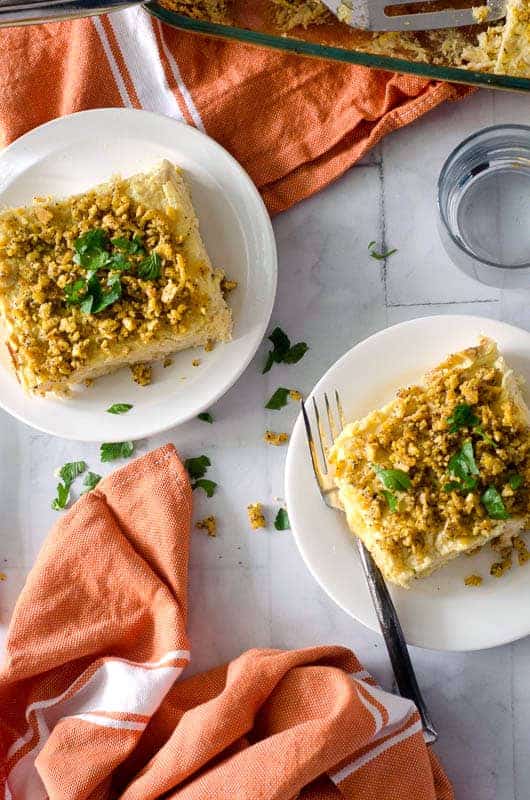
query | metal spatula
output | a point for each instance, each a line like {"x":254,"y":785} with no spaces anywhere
{"x":370,"y":15}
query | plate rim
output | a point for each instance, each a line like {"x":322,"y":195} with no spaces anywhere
{"x":272,"y":258}
{"x":289,"y":476}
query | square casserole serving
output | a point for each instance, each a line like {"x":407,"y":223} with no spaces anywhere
{"x":442,"y":469}
{"x":146,"y":260}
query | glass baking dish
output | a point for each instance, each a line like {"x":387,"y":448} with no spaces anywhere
{"x":320,"y":42}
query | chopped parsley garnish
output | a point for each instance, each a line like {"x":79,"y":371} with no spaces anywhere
{"x":515,"y":481}
{"x":282,"y":351}
{"x":463,"y":468}
{"x":197,"y":467}
{"x":68,"y":473}
{"x":119,"y":408}
{"x":281,"y":523}
{"x":90,"y":482}
{"x":93,"y":252}
{"x":493,"y":503}
{"x":393,"y":480}
{"x":110,"y":451}
{"x":462,"y":417}
{"x":279,"y":399}
{"x":208,"y":486}
{"x":132,"y":246}
{"x":205,"y":416}
{"x":380,"y":256}
{"x":150,"y":268}
{"x":391,"y":500}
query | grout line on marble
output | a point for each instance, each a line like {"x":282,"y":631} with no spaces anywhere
{"x":384,"y":276}
{"x":514,"y":753}
{"x":444,"y":303}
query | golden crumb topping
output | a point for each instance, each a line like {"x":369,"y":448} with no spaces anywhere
{"x":276,"y":439}
{"x":256,"y":516}
{"x":452,"y":455}
{"x":295,"y":395}
{"x":473,"y":580}
{"x":88,"y":276}
{"x":208,"y":524}
{"x":142,"y":374}
{"x":228,"y":286}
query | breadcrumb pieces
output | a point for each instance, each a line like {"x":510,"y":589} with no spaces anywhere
{"x":3,"y":576}
{"x":256,"y":516}
{"x":276,"y":439}
{"x":167,"y":362}
{"x":228,"y":286}
{"x":142,"y":374}
{"x":499,"y":568}
{"x":208,"y":524}
{"x":523,"y":555}
{"x":196,"y":362}
{"x":295,"y":395}
{"x":209,"y":346}
{"x":473,"y":580}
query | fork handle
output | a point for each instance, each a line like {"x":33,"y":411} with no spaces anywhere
{"x":394,"y":640}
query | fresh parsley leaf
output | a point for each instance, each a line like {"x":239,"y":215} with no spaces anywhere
{"x":493,"y":503}
{"x":75,"y":292}
{"x":452,"y":486}
{"x":463,"y":464}
{"x":391,"y":500}
{"x":282,"y":350}
{"x":70,"y":471}
{"x":515,"y":481}
{"x":119,"y":408}
{"x":380,"y":256}
{"x":63,"y":496}
{"x":91,"y":249}
{"x":487,"y":438}
{"x":296,"y":353}
{"x":132,"y":246}
{"x":106,"y":299}
{"x":197,"y":467}
{"x":462,"y":417}
{"x":208,"y":486}
{"x":110,"y":451}
{"x":205,"y":416}
{"x":90,"y":482}
{"x":118,"y":262}
{"x":393,"y":479}
{"x":278,"y":399}
{"x":281,"y":523}
{"x":150,"y":268}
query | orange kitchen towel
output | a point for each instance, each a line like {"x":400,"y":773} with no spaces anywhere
{"x":90,"y":704}
{"x":294,"y":123}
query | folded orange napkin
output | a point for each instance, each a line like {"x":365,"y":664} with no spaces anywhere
{"x":90,"y":704}
{"x":294,"y":123}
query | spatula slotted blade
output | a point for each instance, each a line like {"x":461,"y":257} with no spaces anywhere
{"x":370,"y":15}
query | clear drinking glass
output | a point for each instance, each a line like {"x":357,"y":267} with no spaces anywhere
{"x":484,"y":206}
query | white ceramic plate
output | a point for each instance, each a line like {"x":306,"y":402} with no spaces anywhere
{"x":73,"y":153}
{"x":438,"y":612}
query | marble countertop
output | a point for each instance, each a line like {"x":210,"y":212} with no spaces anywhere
{"x":251,"y":588}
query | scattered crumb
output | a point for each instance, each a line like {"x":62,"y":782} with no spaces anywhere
{"x":275,"y":439}
{"x":474,"y":551}
{"x":228,"y":286}
{"x":3,"y":576}
{"x":499,"y":568}
{"x":473,"y":580}
{"x":522,"y":552}
{"x":208,"y":524}
{"x":89,"y":382}
{"x":295,"y":395}
{"x":167,"y":362}
{"x":209,"y":346}
{"x":256,"y":516}
{"x":142,"y":374}
{"x":481,"y":13}
{"x":196,"y":362}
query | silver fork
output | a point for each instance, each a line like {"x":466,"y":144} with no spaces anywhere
{"x":384,"y":607}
